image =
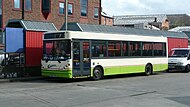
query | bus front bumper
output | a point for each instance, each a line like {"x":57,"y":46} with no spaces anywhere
{"x":57,"y":73}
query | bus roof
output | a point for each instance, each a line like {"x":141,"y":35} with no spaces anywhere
{"x":121,"y":30}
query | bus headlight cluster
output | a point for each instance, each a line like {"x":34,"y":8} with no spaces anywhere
{"x":66,"y":66}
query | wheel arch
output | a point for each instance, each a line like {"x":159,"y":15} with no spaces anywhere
{"x":151,"y":70}
{"x":150,"y":65}
{"x":101,"y":67}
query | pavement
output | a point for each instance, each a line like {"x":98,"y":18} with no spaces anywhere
{"x":21,"y":79}
{"x":158,"y":90}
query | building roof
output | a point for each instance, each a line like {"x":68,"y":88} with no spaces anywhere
{"x":121,"y":30}
{"x":187,"y":33}
{"x":178,"y":20}
{"x":32,"y":25}
{"x":106,"y":15}
{"x":136,"y":19}
{"x":180,"y":29}
{"x":174,"y":19}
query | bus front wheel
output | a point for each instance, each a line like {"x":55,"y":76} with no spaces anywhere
{"x":97,"y":73}
{"x":148,"y":70}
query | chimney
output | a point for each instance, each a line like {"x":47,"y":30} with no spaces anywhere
{"x":155,"y":19}
{"x":165,"y":24}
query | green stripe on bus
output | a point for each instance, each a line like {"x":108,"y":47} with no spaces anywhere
{"x":160,"y":67}
{"x":132,"y":69}
{"x":57,"y":73}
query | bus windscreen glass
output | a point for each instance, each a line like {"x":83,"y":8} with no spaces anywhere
{"x":57,"y":50}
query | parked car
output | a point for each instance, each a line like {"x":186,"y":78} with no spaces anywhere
{"x":179,"y":59}
{"x":2,"y":58}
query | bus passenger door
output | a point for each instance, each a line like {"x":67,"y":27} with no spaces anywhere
{"x":81,"y":58}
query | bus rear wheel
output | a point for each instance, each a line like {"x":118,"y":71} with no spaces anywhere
{"x":97,"y":73}
{"x":148,"y":70}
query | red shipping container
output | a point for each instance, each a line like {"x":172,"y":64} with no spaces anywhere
{"x":177,"y":43}
{"x":34,"y":48}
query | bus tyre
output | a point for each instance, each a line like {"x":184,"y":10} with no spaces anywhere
{"x":97,"y":73}
{"x":148,"y":70}
{"x":187,"y":68}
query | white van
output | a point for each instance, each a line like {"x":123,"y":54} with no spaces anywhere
{"x":179,"y":59}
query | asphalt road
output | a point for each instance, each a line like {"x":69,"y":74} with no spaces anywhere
{"x":160,"y":90}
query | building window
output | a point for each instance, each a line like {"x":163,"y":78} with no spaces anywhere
{"x":28,"y":5}
{"x":96,"y":12}
{"x":104,"y":20}
{"x":83,"y":7}
{"x":70,"y":9}
{"x":61,"y":8}
{"x":17,"y":4}
{"x":0,"y":7}
{"x":46,"y":6}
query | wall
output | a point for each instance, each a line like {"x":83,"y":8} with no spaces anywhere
{"x":54,"y":17}
{"x":106,"y":21}
{"x":34,"y":48}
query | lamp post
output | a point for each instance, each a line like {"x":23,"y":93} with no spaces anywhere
{"x":66,"y":14}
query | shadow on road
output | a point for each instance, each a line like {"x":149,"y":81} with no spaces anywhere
{"x":62,"y":80}
{"x":175,"y":71}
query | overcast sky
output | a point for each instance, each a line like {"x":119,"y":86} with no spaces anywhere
{"x":143,"y":7}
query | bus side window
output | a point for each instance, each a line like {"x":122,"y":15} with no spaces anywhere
{"x":94,"y":51}
{"x":98,"y":48}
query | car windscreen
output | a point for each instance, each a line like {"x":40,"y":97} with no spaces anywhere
{"x":179,"y":53}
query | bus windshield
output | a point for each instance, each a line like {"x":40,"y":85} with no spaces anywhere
{"x":179,"y":53}
{"x":57,"y":50}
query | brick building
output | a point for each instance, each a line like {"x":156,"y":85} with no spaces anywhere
{"x":82,"y":11}
{"x":106,"y":19}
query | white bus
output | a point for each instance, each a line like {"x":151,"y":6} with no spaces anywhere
{"x":75,"y":54}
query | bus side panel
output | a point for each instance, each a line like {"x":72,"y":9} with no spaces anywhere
{"x":124,"y":69}
{"x":160,"y":67}
{"x":130,"y":65}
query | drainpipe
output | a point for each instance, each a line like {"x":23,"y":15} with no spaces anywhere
{"x":100,"y":10}
{"x":23,"y":9}
{"x":66,"y":14}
